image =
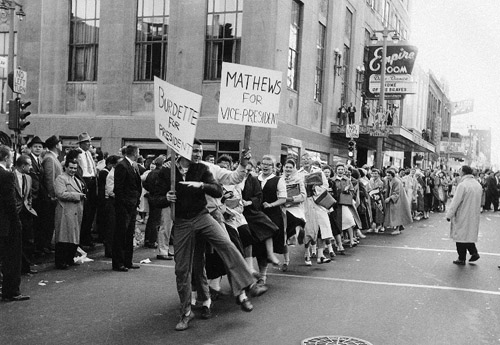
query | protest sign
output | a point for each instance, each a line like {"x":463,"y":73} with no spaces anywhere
{"x":249,"y":96}
{"x":176,"y":116}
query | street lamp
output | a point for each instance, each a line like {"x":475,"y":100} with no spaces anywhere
{"x":338,"y":58}
{"x":380,"y":108}
{"x":360,"y":77}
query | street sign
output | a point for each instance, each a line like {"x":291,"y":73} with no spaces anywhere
{"x":352,"y":131}
{"x":378,"y":132}
{"x":3,"y":62}
{"x":400,"y":84}
{"x":20,"y":81}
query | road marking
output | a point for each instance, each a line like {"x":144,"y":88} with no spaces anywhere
{"x":371,"y":282}
{"x":435,"y":287}
{"x":422,"y":249}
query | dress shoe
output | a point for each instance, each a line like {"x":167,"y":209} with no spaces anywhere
{"x":308,"y":261}
{"x":395,"y":232}
{"x":62,"y":266}
{"x":257,"y":290}
{"x":133,"y":267}
{"x":474,"y":257}
{"x":284,"y":267}
{"x":342,"y":252}
{"x":120,"y":269}
{"x":183,"y":324}
{"x":164,"y":257}
{"x":206,"y":313}
{"x":48,"y":251}
{"x":323,"y":260}
{"x":29,"y":271}
{"x":459,"y":262}
{"x":245,"y":305}
{"x":16,"y":298}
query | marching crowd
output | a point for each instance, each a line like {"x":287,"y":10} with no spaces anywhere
{"x":221,"y":217}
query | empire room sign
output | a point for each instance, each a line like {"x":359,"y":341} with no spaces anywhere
{"x":400,"y":60}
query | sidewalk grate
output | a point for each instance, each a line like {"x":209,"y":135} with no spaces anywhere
{"x":334,"y":340}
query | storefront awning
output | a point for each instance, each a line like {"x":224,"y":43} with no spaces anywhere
{"x":397,"y":139}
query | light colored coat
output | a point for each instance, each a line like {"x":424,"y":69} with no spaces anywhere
{"x":69,"y":209}
{"x":465,"y":210}
{"x":398,"y":210}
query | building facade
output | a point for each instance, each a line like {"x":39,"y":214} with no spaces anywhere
{"x":91,"y":64}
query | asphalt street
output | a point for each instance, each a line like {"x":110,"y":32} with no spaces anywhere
{"x":389,"y":290}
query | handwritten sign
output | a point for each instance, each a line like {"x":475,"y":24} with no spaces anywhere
{"x":3,"y":62}
{"x":352,"y":131}
{"x":20,"y":81}
{"x":176,"y":116}
{"x":249,"y":96}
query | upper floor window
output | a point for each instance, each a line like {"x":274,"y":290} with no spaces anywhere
{"x":294,"y":46}
{"x":151,"y":39}
{"x":83,"y":40}
{"x":320,"y":63}
{"x":223,"y":39}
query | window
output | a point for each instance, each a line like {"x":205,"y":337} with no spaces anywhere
{"x":320,"y":63}
{"x":293,"y":46}
{"x":4,"y":52}
{"x":83,"y":40}
{"x":151,"y":39}
{"x":218,"y":148}
{"x":223,"y":40}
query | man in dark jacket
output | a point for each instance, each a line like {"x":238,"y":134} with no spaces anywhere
{"x":192,"y":182}
{"x":10,"y":231}
{"x":127,"y":191}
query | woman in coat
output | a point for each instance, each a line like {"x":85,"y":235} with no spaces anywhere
{"x":464,"y":213}
{"x":398,"y":211}
{"x":69,"y":212}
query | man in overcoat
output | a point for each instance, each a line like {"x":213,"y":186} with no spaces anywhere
{"x":10,"y":231}
{"x":463,"y":214}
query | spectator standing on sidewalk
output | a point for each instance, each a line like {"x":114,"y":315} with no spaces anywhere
{"x":463,"y":214}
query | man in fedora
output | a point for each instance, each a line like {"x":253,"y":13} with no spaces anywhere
{"x":38,"y":191}
{"x":88,"y":173}
{"x":51,"y":169}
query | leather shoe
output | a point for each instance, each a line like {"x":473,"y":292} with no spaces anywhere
{"x":120,"y":269}
{"x":474,"y":257}
{"x":183,"y":324}
{"x":16,"y":298}
{"x":245,"y":305}
{"x":459,"y":262}
{"x":133,"y":267}
{"x":164,"y":257}
{"x":30,"y":271}
{"x":206,"y":313}
{"x":257,"y":290}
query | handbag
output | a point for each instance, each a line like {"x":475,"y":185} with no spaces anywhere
{"x":345,"y":199}
{"x":292,"y":190}
{"x":324,"y":199}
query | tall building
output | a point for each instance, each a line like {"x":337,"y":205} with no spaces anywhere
{"x":91,"y":65}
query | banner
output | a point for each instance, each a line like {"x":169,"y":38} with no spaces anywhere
{"x":176,"y":116}
{"x":249,"y":96}
{"x":462,"y":107}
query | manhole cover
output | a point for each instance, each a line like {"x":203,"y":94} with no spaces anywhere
{"x":334,"y":340}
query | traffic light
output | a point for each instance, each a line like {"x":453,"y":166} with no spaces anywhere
{"x":13,"y":115}
{"x":23,"y":114}
{"x":351,"y":147}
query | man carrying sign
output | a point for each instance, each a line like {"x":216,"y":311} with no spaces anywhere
{"x":192,"y":182}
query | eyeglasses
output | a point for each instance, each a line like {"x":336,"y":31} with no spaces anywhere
{"x":197,"y":150}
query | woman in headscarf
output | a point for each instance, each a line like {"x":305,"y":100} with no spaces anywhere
{"x":377,"y":192}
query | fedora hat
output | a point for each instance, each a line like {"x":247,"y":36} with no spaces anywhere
{"x":84,"y":137}
{"x":35,"y":140}
{"x":52,"y":142}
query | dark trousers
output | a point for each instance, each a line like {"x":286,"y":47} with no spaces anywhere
{"x":491,"y":198}
{"x":38,"y":225}
{"x":123,"y":237}
{"x":463,"y":247}
{"x":109,"y":227}
{"x":101,"y":219}
{"x":28,"y":241}
{"x":351,"y":118}
{"x":154,"y":220}
{"x":47,"y":220}
{"x":65,"y":252}
{"x":89,"y":210}
{"x":10,"y":256}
